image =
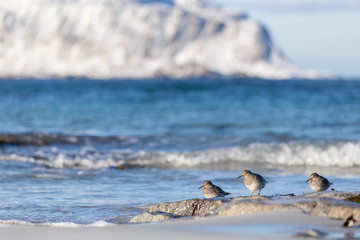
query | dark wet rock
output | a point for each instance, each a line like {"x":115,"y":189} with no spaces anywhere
{"x":334,"y":205}
{"x":355,"y":198}
{"x":285,"y":195}
{"x":349,"y":222}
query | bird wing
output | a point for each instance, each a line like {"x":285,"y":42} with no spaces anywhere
{"x":260,"y":178}
{"x":220,"y":191}
{"x":326,"y":181}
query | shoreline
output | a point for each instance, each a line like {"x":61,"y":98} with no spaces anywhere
{"x":278,"y":224}
{"x":313,"y":215}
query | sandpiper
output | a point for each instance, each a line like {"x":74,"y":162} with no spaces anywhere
{"x":318,"y":183}
{"x":211,"y":191}
{"x":253,"y":181}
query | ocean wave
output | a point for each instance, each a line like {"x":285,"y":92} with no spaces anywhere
{"x":328,"y":154}
{"x":295,"y":153}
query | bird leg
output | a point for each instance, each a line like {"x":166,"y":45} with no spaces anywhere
{"x":258,"y":193}
{"x":251,"y":193}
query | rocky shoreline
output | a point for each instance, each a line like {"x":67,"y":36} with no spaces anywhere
{"x":333,"y":205}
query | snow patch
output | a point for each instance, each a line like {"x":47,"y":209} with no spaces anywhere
{"x":135,"y":39}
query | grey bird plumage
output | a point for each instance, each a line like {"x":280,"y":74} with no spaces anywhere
{"x":211,"y":191}
{"x":253,"y":181}
{"x":318,"y":183}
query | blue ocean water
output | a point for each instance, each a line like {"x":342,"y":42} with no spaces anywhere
{"x":83,"y":151}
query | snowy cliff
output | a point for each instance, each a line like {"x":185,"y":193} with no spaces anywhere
{"x":134,"y":38}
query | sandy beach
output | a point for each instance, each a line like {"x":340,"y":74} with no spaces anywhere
{"x":270,"y":225}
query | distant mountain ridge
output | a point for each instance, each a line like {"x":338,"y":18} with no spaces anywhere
{"x":135,"y":39}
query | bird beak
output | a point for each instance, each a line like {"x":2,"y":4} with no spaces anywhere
{"x":308,"y":179}
{"x":240,"y":176}
{"x":201,"y":186}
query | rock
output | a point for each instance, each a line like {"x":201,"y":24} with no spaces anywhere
{"x":190,"y":207}
{"x":168,"y":210}
{"x":335,"y":205}
{"x":151,"y":217}
{"x":349,"y":222}
{"x":334,"y":195}
{"x":248,"y":206}
{"x":336,"y":209}
{"x":306,"y":206}
{"x":355,"y":198}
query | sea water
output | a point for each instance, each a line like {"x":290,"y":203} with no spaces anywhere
{"x":84,"y":151}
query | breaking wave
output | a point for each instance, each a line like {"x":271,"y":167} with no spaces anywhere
{"x":295,"y":153}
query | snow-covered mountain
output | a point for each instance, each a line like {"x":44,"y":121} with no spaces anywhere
{"x":134,"y":38}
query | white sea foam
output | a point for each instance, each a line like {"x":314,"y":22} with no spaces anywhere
{"x":53,"y":224}
{"x":116,"y":38}
{"x":324,"y":153}
{"x":47,"y":224}
{"x":340,"y":154}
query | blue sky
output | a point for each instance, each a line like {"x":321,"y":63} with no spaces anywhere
{"x":320,"y":35}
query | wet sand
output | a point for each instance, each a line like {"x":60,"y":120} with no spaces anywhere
{"x":280,"y":224}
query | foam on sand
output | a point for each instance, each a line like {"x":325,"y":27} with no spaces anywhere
{"x":5,"y":223}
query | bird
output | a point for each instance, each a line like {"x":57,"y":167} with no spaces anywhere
{"x":253,"y":181}
{"x":318,"y":183}
{"x":211,"y":191}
